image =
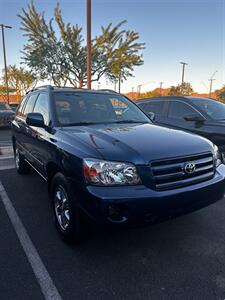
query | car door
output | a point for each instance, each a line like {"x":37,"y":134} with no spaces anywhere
{"x":177,"y":111}
{"x":24,"y":131}
{"x":18,"y":124}
{"x":38,"y":140}
{"x":158,"y":107}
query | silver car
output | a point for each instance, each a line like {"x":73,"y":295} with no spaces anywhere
{"x":6,"y":114}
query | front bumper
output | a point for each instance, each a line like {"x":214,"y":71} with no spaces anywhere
{"x":140,"y":204}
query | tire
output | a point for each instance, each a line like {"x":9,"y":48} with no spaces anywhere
{"x":66,"y":213}
{"x":22,"y":166}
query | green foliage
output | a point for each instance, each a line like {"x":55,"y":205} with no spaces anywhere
{"x":62,"y":57}
{"x":3,"y":89}
{"x":120,"y":51}
{"x":220,"y":94}
{"x":184,"y":89}
{"x":19,"y":79}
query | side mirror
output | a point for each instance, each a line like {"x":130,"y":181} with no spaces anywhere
{"x":194,"y":118}
{"x":35,"y":119}
{"x":151,"y":115}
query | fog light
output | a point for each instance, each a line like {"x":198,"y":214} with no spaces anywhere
{"x":117,"y":213}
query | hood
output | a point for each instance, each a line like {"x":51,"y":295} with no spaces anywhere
{"x":137,"y":143}
{"x":216,"y":122}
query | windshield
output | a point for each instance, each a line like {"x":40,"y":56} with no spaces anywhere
{"x":4,"y":106}
{"x":214,"y":109}
{"x":73,"y":108}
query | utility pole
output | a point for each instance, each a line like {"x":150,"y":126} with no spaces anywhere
{"x":132,"y":93}
{"x":4,"y":55}
{"x":140,"y":85}
{"x":160,"y":88}
{"x":211,"y":81}
{"x":139,"y":90}
{"x":88,"y":7}
{"x":119,"y":83}
{"x":183,"y":69}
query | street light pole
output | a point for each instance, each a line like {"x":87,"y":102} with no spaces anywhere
{"x":160,"y":88}
{"x":88,"y":44}
{"x":4,"y":55}
{"x":183,"y":69}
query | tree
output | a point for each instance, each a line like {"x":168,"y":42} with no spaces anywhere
{"x":220,"y":94}
{"x":184,"y":89}
{"x":3,"y":89}
{"x":62,"y":57}
{"x":150,"y":94}
{"x":121,"y":51}
{"x":19,"y":79}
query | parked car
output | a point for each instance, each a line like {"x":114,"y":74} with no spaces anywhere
{"x":14,"y":105}
{"x":108,"y":168}
{"x":202,"y":116}
{"x":6,"y":114}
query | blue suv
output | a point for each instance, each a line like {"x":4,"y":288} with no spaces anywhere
{"x":106,"y":163}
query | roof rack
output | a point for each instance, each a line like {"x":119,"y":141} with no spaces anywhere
{"x":48,"y":86}
{"x":43,"y":87}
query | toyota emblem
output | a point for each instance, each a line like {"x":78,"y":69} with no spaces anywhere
{"x":189,"y":167}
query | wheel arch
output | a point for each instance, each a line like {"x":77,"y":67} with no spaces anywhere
{"x":52,"y":169}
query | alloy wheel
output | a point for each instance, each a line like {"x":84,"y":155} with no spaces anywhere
{"x":62,"y":210}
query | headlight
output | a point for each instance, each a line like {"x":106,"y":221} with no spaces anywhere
{"x":216,"y":156}
{"x":101,"y":172}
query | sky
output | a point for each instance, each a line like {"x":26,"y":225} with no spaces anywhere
{"x":192,"y":31}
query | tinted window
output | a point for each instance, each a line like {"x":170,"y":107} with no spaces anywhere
{"x":21,"y":107}
{"x":142,"y":105}
{"x":214,"y":109}
{"x":156,"y":107}
{"x":73,"y":108}
{"x":177,"y":110}
{"x":29,"y":106}
{"x":41,"y":106}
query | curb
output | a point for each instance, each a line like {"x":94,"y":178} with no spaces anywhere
{"x":6,"y":150}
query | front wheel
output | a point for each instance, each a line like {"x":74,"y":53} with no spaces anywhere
{"x":66,"y":213}
{"x":22,"y":166}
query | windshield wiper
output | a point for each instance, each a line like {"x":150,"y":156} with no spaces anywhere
{"x":110,"y":122}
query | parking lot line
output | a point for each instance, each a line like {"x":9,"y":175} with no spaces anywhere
{"x":46,"y":284}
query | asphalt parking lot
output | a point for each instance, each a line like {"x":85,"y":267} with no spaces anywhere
{"x":179,"y":259}
{"x":5,"y":137}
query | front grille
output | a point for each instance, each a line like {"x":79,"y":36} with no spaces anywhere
{"x":170,"y":173}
